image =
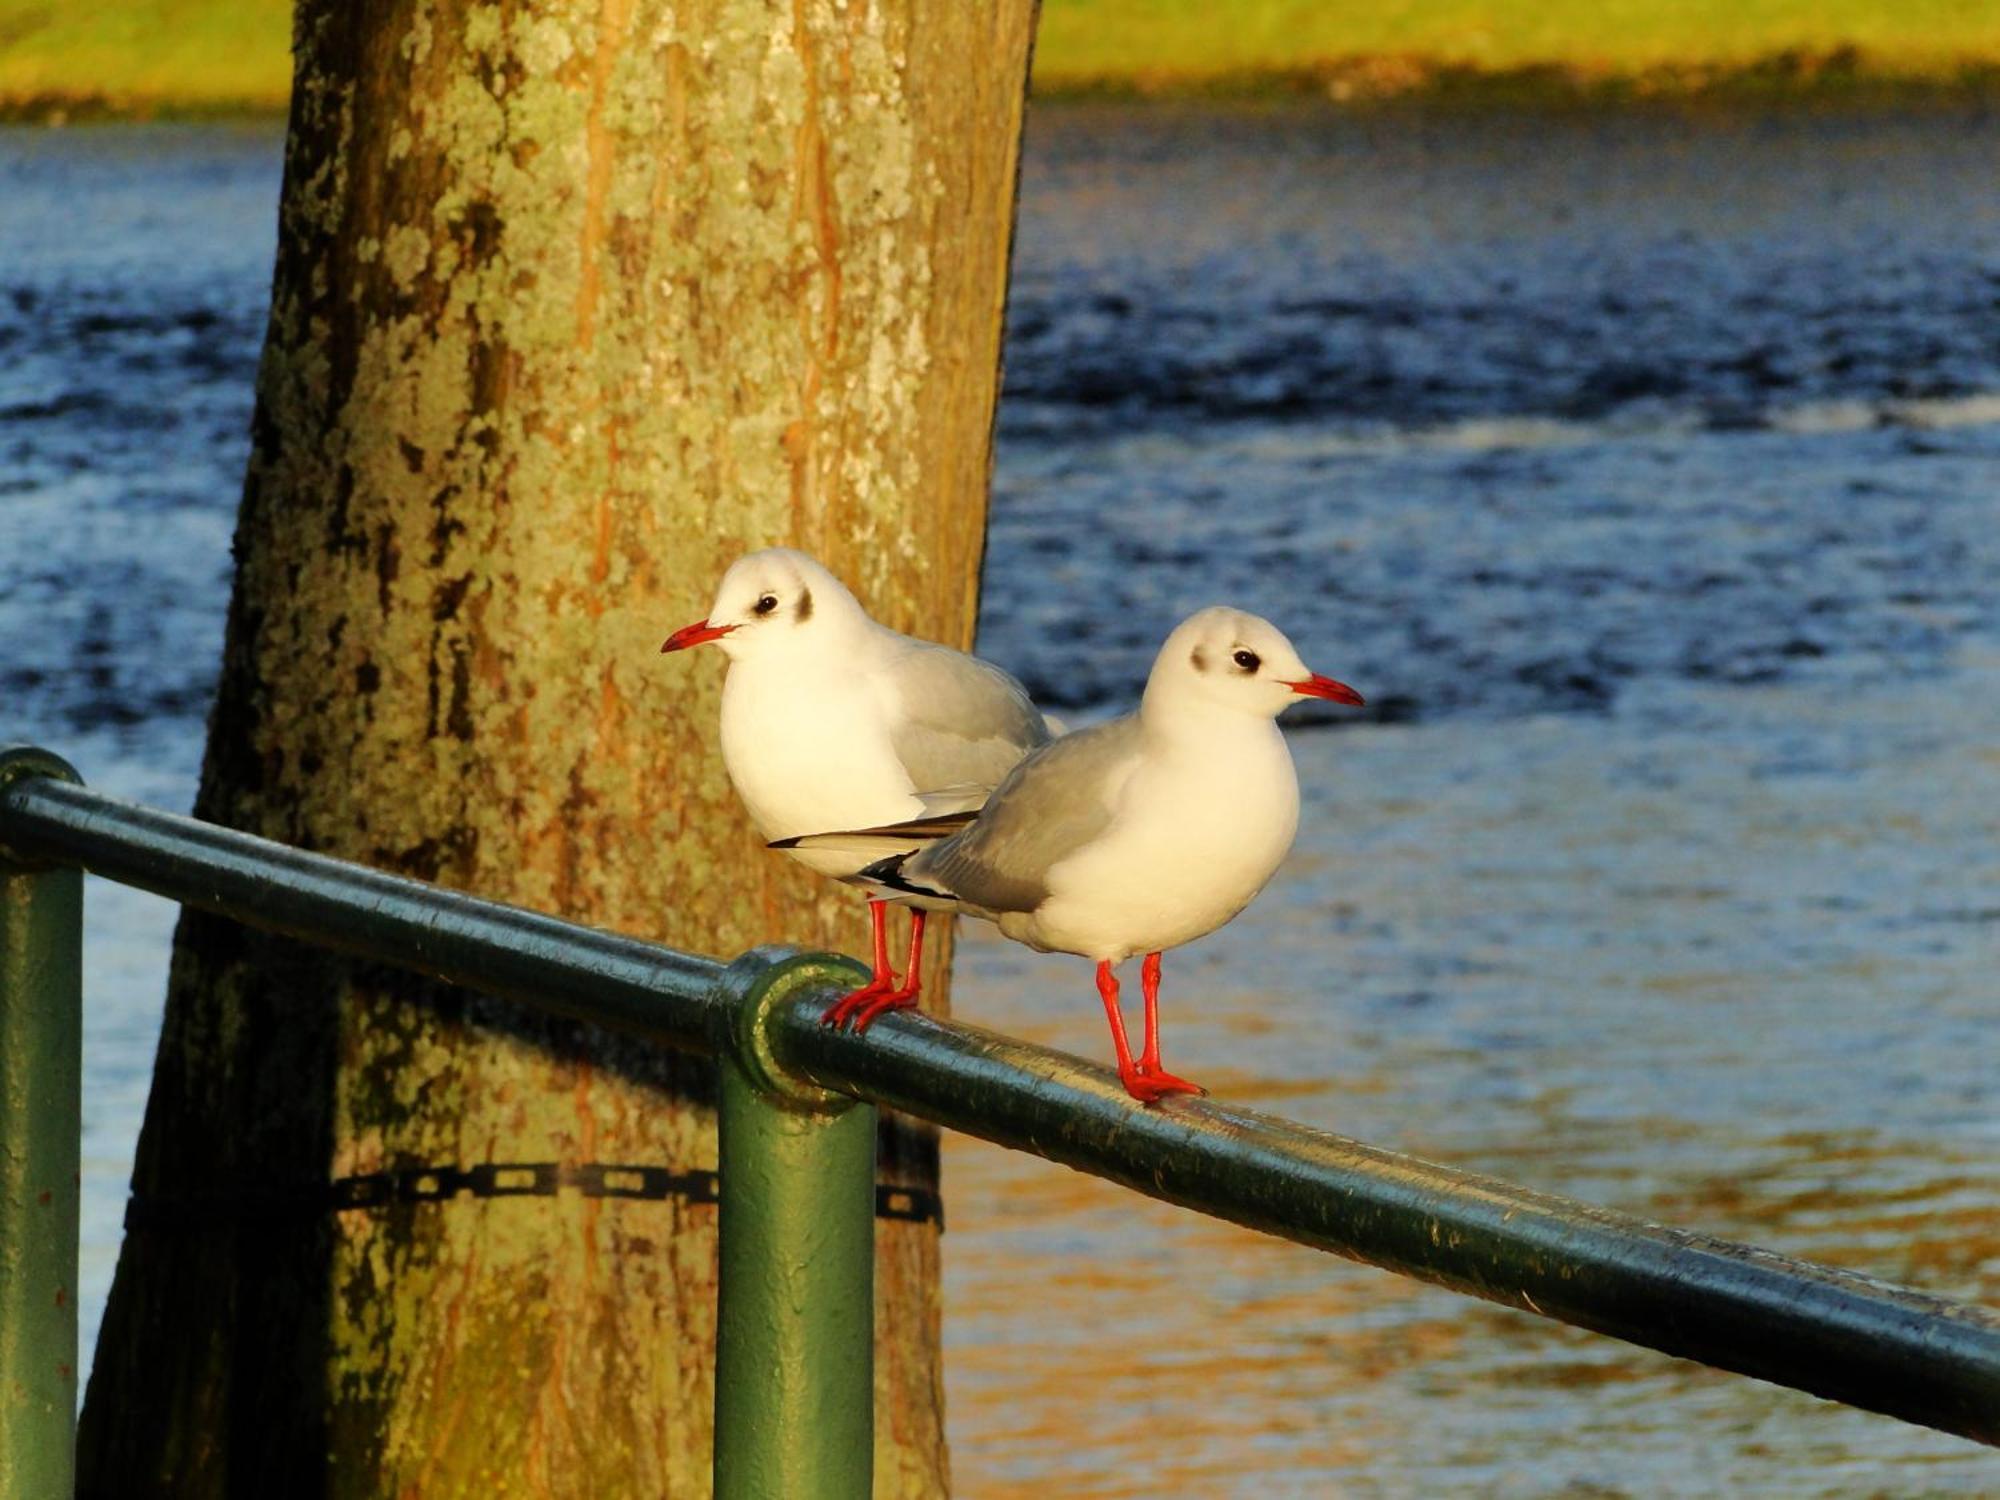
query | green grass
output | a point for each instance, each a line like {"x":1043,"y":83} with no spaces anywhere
{"x":209,"y":56}
{"x":1389,"y":43}
{"x":137,"y":56}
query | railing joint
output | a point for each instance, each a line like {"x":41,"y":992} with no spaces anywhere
{"x":17,"y":763}
{"x":753,"y":991}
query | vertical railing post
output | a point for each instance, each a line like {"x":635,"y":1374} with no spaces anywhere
{"x":795,"y":1343}
{"x":41,"y":1119}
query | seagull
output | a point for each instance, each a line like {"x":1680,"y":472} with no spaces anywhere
{"x":832,"y":721}
{"x":1138,"y":835}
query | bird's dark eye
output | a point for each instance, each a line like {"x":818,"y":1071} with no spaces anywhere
{"x":767,"y":603}
{"x":1247,"y":660}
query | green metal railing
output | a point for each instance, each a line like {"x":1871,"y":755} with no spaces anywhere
{"x":797,"y":1122}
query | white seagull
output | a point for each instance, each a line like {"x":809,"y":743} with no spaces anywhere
{"x":1137,"y":835}
{"x":831,"y":721}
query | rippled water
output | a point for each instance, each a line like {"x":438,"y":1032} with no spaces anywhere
{"x":1642,"y":472}
{"x":1514,"y":412}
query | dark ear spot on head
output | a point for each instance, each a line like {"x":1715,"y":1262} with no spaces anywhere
{"x":1200,"y":659}
{"x":805,"y":605}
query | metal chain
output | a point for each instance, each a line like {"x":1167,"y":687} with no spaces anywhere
{"x":156,"y":1213}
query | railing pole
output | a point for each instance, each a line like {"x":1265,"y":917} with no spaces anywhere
{"x":795,"y":1346}
{"x":41,"y":1119}
{"x":793,"y":1394}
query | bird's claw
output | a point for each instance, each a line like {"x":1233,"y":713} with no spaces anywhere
{"x":842,"y":1010}
{"x":1150,"y":1085}
{"x":865,"y":1004}
{"x":896,"y":1000}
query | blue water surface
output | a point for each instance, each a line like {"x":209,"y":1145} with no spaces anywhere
{"x":1640,"y":469}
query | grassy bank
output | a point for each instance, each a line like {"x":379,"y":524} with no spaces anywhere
{"x":1355,"y":49}
{"x":138,"y":57}
{"x":125,"y":57}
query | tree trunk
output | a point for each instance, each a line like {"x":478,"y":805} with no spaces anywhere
{"x":572,"y":305}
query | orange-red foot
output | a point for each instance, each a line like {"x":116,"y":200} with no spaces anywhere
{"x":848,"y":1006}
{"x":1151,"y":1086}
{"x":902,"y":999}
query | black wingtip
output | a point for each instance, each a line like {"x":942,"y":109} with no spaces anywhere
{"x":888,"y":873}
{"x":791,"y":843}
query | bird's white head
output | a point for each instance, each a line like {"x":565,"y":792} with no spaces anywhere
{"x":775,"y":602}
{"x":1222,"y":660}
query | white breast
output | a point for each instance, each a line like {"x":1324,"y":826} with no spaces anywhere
{"x":807,"y":754}
{"x":1196,"y":835}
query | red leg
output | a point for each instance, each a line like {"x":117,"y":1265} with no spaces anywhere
{"x":1149,"y":1060}
{"x":1107,"y":988}
{"x":1149,"y":981}
{"x":1142,"y":1083}
{"x":881,"y":982}
{"x":913,"y":971}
{"x":904,"y":995}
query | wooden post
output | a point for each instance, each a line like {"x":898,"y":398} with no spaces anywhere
{"x":573,"y":303}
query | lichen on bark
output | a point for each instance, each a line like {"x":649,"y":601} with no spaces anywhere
{"x":573,"y":303}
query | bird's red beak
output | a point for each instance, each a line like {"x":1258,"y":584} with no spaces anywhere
{"x":697,"y":634}
{"x":1317,"y":686}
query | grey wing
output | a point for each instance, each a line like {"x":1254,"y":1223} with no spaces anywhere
{"x":1060,"y":798}
{"x":961,"y":725}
